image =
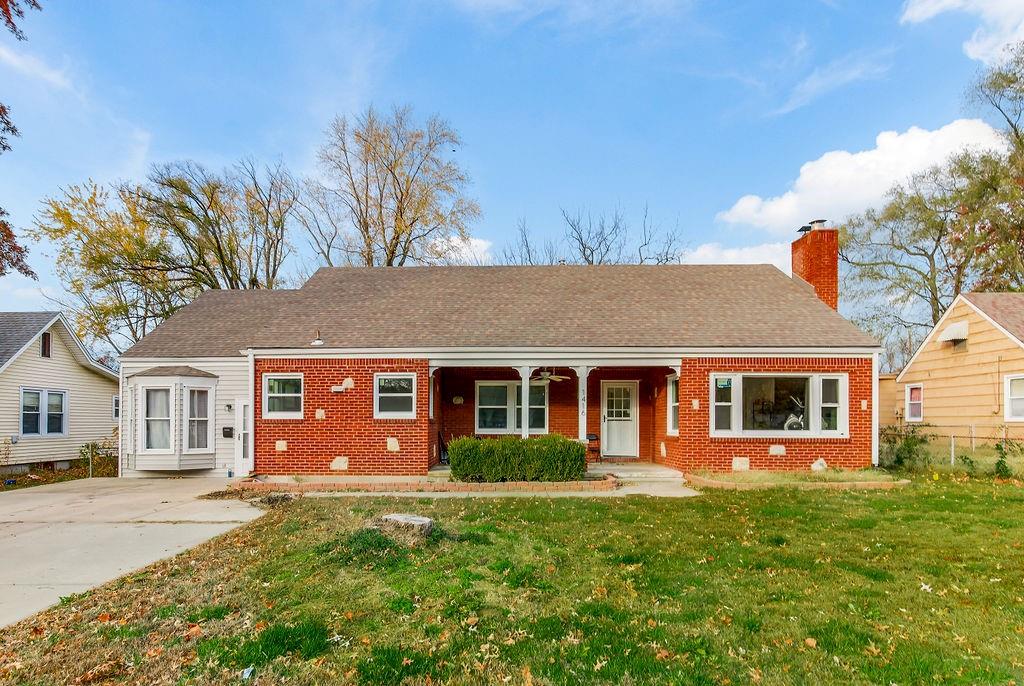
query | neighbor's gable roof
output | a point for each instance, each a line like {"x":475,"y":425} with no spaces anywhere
{"x":685,"y":306}
{"x":19,"y":329}
{"x":1004,"y":309}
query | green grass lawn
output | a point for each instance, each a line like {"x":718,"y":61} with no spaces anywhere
{"x":827,"y":476}
{"x":911,"y":586}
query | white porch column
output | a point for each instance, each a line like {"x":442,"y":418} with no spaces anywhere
{"x":524,"y":411}
{"x":581,"y":396}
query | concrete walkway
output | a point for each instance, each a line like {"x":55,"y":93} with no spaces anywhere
{"x":65,"y":538}
{"x":639,"y":478}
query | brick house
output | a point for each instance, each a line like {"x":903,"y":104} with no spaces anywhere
{"x":372,"y":371}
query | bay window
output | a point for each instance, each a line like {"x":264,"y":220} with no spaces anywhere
{"x":499,"y":407}
{"x":198,"y":424}
{"x":394,"y":396}
{"x":43,"y":412}
{"x":779,"y":404}
{"x":157,"y":404}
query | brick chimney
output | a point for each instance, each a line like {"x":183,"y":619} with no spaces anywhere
{"x":816,"y":260}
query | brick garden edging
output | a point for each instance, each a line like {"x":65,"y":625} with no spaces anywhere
{"x":608,"y":483}
{"x":696,"y":480}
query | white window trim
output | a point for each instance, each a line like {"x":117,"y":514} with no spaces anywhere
{"x":813,"y":407}
{"x":1006,"y":398}
{"x":115,"y":407}
{"x":44,"y":403}
{"x":511,"y":406}
{"x":141,"y":413}
{"x":186,"y":409}
{"x":266,"y":413}
{"x":377,"y":414}
{"x":669,"y":380}
{"x":906,"y":403}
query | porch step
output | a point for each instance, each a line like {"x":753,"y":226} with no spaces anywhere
{"x":644,"y":472}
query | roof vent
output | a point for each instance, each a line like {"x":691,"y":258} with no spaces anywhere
{"x":317,"y":341}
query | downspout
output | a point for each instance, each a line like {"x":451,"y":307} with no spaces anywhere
{"x":874,"y":409}
{"x":120,"y":418}
{"x":250,"y":458}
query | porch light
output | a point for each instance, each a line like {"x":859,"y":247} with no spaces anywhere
{"x":317,"y":341}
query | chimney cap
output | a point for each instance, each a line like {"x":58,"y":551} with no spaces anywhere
{"x":818,"y":223}
{"x":805,"y":228}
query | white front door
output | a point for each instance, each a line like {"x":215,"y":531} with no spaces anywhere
{"x":243,"y":462}
{"x":620,"y":435}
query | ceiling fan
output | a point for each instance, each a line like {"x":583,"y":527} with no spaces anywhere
{"x":544,"y":376}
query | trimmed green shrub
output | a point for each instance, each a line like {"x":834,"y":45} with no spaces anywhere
{"x":510,"y":458}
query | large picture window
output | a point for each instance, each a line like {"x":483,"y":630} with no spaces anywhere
{"x":499,"y":407}
{"x":784,"y":404}
{"x":394,"y":396}
{"x":43,"y":412}
{"x":282,"y":396}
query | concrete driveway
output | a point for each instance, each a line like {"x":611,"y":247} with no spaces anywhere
{"x":65,"y":538}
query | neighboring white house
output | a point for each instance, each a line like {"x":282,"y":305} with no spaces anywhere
{"x":54,"y":397}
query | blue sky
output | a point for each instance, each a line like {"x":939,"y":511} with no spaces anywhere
{"x":735,"y":121}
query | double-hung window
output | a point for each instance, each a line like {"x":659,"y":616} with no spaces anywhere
{"x":499,"y":406}
{"x":157,"y":409}
{"x":198,"y":419}
{"x":779,"y":404}
{"x":394,"y":396}
{"x":43,"y":412}
{"x":1013,"y":402}
{"x":913,"y":403}
{"x":672,"y":420}
{"x":115,"y":407}
{"x":282,"y":396}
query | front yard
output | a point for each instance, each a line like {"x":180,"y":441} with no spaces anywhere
{"x":919,"y":585}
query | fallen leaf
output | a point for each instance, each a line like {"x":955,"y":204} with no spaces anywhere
{"x":810,"y":642}
{"x":472,"y":620}
{"x":194,"y":631}
{"x":104,"y":617}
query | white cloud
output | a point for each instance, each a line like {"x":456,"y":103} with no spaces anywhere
{"x":840,"y":183}
{"x":764,"y":253}
{"x":34,"y":68}
{"x":473,"y":251}
{"x":1002,"y":23}
{"x":835,"y":75}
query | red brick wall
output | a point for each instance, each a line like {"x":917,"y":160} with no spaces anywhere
{"x":348,"y":428}
{"x":815,"y":259}
{"x":696,"y":449}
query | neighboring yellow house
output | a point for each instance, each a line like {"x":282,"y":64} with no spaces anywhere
{"x":967,"y":377}
{"x":54,"y":397}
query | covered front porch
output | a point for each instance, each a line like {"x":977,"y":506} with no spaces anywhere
{"x":621,"y":412}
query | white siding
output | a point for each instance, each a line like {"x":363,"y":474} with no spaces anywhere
{"x":232,"y":383}
{"x":89,"y":400}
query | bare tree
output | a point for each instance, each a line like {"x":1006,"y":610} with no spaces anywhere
{"x":597,"y":239}
{"x":527,"y":251}
{"x":391,"y":193}
{"x":230,"y":230}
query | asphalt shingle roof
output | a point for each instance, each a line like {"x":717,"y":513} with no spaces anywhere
{"x":1006,"y":309}
{"x":18,"y":328}
{"x":585,"y":306}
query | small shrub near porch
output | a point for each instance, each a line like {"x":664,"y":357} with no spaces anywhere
{"x":509,"y":458}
